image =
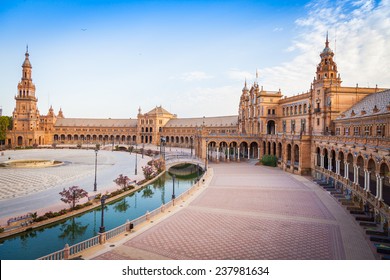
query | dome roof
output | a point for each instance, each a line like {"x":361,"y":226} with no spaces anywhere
{"x":26,"y":62}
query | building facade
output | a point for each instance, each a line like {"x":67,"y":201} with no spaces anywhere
{"x":330,"y":131}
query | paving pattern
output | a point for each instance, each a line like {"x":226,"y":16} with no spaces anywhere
{"x":252,"y":212}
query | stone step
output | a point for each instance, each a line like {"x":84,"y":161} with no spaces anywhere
{"x":376,"y":233}
{"x":364,"y":218}
{"x":380,"y":239}
{"x":357,"y":212}
{"x":368,"y":224}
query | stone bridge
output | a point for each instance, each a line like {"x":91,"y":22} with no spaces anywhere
{"x":175,"y":159}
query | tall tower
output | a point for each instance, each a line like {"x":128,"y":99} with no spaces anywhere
{"x":26,"y":114}
{"x":326,"y":74}
{"x":326,"y":81}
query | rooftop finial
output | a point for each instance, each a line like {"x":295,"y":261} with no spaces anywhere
{"x":327,"y":41}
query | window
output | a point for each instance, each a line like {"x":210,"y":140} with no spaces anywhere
{"x":356,"y":130}
{"x":346,"y":131}
{"x":284,"y":126}
{"x":292,"y":125}
{"x":303,"y":125}
{"x":318,"y":121}
{"x":337,"y":130}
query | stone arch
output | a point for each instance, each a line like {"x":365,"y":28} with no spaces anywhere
{"x":20,"y":140}
{"x":288,"y":154}
{"x":274,"y":148}
{"x":271,"y":127}
{"x":244,"y":149}
{"x":333,"y":160}
{"x":326,"y":158}
{"x":318,"y":156}
{"x":254,"y":149}
{"x":233,"y":149}
{"x":385,"y":174}
{"x":55,"y":138}
{"x":296,"y":155}
{"x":360,"y":164}
{"x":341,"y":158}
{"x":371,"y":167}
{"x":350,"y":166}
{"x":280,"y":151}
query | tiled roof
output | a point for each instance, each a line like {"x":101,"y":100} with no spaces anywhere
{"x":371,"y":105}
{"x":96,"y":122}
{"x":211,"y":121}
{"x":158,"y":111}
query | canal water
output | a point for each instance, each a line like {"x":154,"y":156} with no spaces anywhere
{"x":41,"y":242}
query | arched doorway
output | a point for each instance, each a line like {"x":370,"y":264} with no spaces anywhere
{"x":288,"y":155}
{"x":271,"y":127}
{"x":254,"y":150}
{"x":244,"y":150}
{"x":233,"y":150}
{"x":296,"y":155}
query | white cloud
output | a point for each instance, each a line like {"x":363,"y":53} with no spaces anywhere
{"x":240,"y":75}
{"x":277,"y":29}
{"x":195,"y":76}
{"x":361,"y":30}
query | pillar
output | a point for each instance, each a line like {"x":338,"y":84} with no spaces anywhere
{"x":228,"y":154}
{"x":217,"y":153}
{"x":330,"y":164}
{"x":367,"y":180}
{"x":338,"y":167}
{"x":238,"y":154}
{"x":258,"y":153}
{"x":249,"y":152}
{"x":322,"y":161}
{"x":380,"y":187}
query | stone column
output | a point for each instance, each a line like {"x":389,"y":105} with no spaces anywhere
{"x":217,"y":153}
{"x":330,"y":164}
{"x":258,"y":153}
{"x":322,"y":161}
{"x":368,"y":180}
{"x":377,"y":184}
{"x":380,"y":188}
{"x":238,"y":154}
{"x":365,"y":179}
{"x":249,"y":152}
{"x":338,"y":167}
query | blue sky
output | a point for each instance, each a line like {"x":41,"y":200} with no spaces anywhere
{"x":100,"y":59}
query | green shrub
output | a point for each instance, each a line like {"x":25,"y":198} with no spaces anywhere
{"x":269,"y":160}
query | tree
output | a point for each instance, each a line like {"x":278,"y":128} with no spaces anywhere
{"x":122,"y":181}
{"x":73,"y":195}
{"x":5,"y":124}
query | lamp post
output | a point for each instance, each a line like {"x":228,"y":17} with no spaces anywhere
{"x":207,"y":154}
{"x":191,"y":142}
{"x":173,"y":189}
{"x":162,"y":147}
{"x":95,"y":185}
{"x":102,"y":201}
{"x":136,"y":159}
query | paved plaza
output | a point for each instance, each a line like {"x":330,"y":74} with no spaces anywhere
{"x":249,"y":212}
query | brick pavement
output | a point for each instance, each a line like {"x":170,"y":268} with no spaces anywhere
{"x":251,"y":212}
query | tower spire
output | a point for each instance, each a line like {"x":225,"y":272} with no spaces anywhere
{"x":327,"y":41}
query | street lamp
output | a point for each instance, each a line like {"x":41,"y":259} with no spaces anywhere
{"x":136,"y":159}
{"x":173,"y":190}
{"x":102,"y":201}
{"x":207,"y":154}
{"x":95,"y":185}
{"x":162,"y":147}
